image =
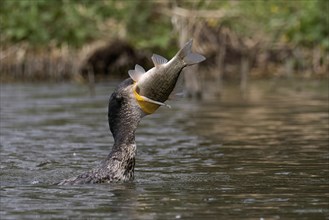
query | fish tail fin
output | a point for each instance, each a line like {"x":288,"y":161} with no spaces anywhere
{"x":188,"y":56}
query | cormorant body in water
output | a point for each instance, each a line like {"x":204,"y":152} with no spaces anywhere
{"x":134,"y":98}
{"x":124,"y":115}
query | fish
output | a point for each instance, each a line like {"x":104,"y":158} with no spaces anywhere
{"x":152,"y":88}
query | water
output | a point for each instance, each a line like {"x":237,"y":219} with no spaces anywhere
{"x":262,"y":157}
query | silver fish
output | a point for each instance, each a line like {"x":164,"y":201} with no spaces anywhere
{"x":152,"y":88}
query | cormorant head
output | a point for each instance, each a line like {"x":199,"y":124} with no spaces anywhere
{"x":124,"y":113}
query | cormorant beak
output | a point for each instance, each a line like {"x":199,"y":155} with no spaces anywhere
{"x":146,"y":106}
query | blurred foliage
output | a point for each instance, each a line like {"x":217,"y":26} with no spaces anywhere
{"x":311,"y":26}
{"x":146,"y":27}
{"x":76,"y":22}
{"x":40,"y":22}
{"x":299,"y":22}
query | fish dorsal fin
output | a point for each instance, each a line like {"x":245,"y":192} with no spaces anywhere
{"x":158,"y":60}
{"x":136,"y":73}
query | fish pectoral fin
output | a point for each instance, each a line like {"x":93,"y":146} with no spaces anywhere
{"x":139,"y":68}
{"x":136,"y":73}
{"x":158,"y":60}
{"x":154,"y":102}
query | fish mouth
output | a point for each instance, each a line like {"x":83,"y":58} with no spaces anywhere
{"x":147,"y":106}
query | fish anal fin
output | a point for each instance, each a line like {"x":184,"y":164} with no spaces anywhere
{"x":158,"y":60}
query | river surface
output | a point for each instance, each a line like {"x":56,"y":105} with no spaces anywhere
{"x":264,"y":156}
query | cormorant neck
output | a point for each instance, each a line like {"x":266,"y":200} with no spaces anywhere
{"x":124,"y":115}
{"x":125,"y":134}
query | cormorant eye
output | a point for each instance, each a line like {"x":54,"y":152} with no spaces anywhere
{"x":118,"y":97}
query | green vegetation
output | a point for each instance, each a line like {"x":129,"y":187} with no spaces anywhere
{"x":76,"y":22}
{"x":283,"y":36}
{"x":43,"y":22}
{"x":302,"y":22}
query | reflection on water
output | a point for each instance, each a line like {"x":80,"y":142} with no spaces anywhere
{"x":262,"y":157}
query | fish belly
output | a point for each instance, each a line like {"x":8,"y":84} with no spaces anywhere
{"x":159,"y":86}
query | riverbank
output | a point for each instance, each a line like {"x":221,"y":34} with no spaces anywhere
{"x":105,"y":60}
{"x":84,"y":41}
